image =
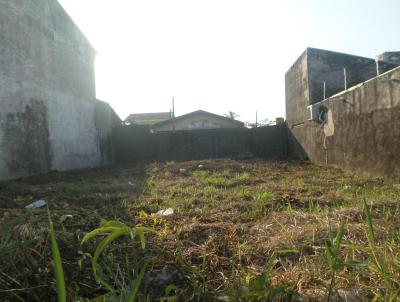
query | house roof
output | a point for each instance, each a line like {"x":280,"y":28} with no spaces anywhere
{"x":169,"y":121}
{"x":151,"y":117}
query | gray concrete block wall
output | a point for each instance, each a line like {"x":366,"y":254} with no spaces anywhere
{"x":366,"y":122}
{"x":135,"y":143}
{"x":328,"y":66}
{"x":47,"y":91}
{"x":297,"y":91}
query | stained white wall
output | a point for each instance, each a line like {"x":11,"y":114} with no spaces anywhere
{"x":47,"y":91}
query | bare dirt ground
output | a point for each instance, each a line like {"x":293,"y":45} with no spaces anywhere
{"x":241,"y":231}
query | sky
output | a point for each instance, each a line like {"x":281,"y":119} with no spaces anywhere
{"x":221,"y":55}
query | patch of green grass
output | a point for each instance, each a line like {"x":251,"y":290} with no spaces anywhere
{"x":215,"y":180}
{"x":243,"y":177}
{"x":265,"y":197}
{"x":148,"y":187}
{"x":169,"y":164}
{"x":200,"y":174}
{"x":210,"y":193}
{"x":259,"y":204}
{"x":226,"y":173}
{"x":260,"y":288}
{"x":245,"y":195}
{"x":218,"y":181}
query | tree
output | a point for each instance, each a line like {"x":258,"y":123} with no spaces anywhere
{"x":232,"y":115}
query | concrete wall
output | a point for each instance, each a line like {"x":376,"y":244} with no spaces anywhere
{"x":47,"y":91}
{"x":365,"y":118}
{"x":297,"y":91}
{"x":135,"y":143}
{"x":328,"y":66}
{"x":392,"y":57}
{"x":105,"y":121}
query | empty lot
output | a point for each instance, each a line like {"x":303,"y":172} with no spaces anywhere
{"x":240,"y":231}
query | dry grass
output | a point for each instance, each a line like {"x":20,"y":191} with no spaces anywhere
{"x":231,"y":218}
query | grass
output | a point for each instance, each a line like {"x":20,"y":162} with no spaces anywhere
{"x":241,"y":231}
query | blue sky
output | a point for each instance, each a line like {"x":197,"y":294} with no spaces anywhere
{"x":221,"y":55}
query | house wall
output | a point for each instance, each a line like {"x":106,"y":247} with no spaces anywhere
{"x":47,"y":91}
{"x":198,"y":121}
{"x":366,"y":123}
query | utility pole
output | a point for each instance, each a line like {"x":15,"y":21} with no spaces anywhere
{"x":173,"y":114}
{"x":256,"y":119}
{"x":377,"y":66}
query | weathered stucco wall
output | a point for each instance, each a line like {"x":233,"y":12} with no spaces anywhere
{"x":47,"y":91}
{"x":366,"y":121}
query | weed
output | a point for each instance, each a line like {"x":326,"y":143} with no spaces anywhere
{"x":332,"y":255}
{"x":260,"y":288}
{"x":385,"y":265}
{"x":112,"y":230}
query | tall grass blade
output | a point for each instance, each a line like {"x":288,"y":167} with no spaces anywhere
{"x":58,"y":269}
{"x":136,"y":284}
{"x":368,"y":218}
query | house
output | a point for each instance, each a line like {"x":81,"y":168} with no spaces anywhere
{"x":195,"y":121}
{"x":147,"y":118}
